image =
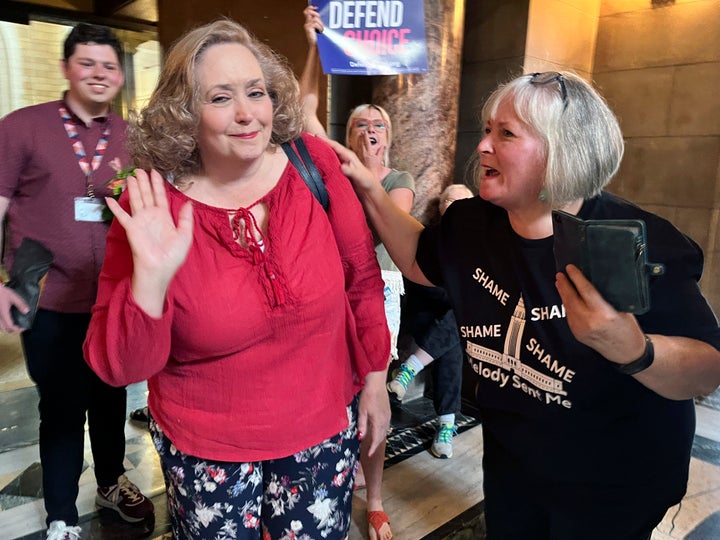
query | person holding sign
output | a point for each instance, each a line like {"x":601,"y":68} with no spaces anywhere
{"x":255,"y":314}
{"x":369,"y":133}
{"x":587,"y":412}
{"x":379,"y":37}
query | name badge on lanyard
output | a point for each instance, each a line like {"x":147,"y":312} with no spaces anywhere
{"x":88,"y":208}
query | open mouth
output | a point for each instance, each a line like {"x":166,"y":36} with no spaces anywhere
{"x":373,"y":140}
{"x":490,"y":172}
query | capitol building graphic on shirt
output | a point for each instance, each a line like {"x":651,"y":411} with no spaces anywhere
{"x":509,"y":359}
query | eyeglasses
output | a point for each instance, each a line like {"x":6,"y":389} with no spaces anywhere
{"x":551,"y":77}
{"x":363,"y":126}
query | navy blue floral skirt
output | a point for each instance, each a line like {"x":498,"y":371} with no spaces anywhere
{"x":305,"y":496}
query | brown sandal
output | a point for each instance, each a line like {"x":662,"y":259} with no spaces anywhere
{"x":376,"y":520}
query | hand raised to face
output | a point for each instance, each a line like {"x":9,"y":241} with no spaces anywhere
{"x":370,"y":151}
{"x":352,"y":166}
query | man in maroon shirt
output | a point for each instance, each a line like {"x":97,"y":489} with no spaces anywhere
{"x":55,"y":162}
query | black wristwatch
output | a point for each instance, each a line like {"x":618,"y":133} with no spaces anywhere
{"x":644,"y":362}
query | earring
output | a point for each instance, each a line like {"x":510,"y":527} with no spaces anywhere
{"x":543,"y":195}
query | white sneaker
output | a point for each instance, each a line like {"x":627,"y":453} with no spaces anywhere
{"x":442,"y":444}
{"x":58,"y":530}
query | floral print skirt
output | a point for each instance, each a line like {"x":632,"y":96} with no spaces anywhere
{"x":305,"y":496}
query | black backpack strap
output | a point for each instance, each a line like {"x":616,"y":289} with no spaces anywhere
{"x":308,"y":171}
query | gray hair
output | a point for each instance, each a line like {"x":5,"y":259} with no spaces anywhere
{"x":583,"y":141}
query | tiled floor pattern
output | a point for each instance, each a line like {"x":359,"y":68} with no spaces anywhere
{"x":426,"y":498}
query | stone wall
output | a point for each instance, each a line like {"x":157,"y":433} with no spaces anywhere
{"x":493,"y":51}
{"x":30,"y":65}
{"x":31,"y":56}
{"x":659,"y":68}
{"x":658,"y":65}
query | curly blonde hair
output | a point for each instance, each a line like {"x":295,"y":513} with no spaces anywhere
{"x":163,"y":136}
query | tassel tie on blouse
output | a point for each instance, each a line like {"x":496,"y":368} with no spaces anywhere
{"x":244,"y":225}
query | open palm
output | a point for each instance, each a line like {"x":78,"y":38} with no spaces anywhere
{"x":158,"y":245}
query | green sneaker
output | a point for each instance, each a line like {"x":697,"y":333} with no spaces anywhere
{"x":442,"y":445}
{"x":401,"y":380}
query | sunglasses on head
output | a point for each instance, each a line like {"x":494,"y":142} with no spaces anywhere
{"x":549,"y":77}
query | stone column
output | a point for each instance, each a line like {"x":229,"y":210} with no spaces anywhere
{"x":424,"y":107}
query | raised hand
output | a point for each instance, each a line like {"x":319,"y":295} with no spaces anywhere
{"x":313,"y":24}
{"x":370,"y":154}
{"x":159,"y":246}
{"x":352,"y":167}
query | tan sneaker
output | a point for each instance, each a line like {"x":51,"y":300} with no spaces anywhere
{"x":126,"y":499}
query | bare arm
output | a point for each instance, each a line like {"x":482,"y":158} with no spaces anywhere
{"x":309,"y":79}
{"x":403,"y":198}
{"x":398,"y":230}
{"x":683,"y":368}
{"x":374,"y":410}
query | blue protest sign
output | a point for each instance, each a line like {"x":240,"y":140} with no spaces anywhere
{"x":372,"y":37}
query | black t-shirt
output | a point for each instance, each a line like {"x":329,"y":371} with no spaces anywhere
{"x":554,"y":410}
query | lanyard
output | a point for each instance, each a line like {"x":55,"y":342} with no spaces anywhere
{"x":86,"y":167}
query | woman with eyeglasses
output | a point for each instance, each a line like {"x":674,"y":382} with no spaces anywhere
{"x":369,"y":135}
{"x":587,"y":412}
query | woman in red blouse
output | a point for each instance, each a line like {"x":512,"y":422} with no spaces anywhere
{"x":242,"y":301}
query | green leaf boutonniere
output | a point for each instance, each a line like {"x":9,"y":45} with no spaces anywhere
{"x":117,"y":183}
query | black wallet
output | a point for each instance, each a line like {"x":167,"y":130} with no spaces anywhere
{"x":29,"y":269}
{"x":612,"y":255}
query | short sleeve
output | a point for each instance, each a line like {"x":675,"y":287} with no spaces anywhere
{"x":428,"y":256}
{"x":677,"y":304}
{"x":13,"y":150}
{"x":398,"y":179}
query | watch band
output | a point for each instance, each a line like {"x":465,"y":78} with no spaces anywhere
{"x":644,"y":362}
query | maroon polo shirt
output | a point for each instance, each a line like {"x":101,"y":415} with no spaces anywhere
{"x":41,"y":176}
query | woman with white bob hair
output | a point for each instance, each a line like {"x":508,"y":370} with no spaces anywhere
{"x":587,"y":412}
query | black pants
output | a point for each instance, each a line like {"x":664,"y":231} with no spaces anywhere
{"x":519,"y":506}
{"x":440,"y":340}
{"x":69,"y":390}
{"x":431,"y":322}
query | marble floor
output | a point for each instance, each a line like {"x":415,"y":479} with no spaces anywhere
{"x":426,"y":498}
